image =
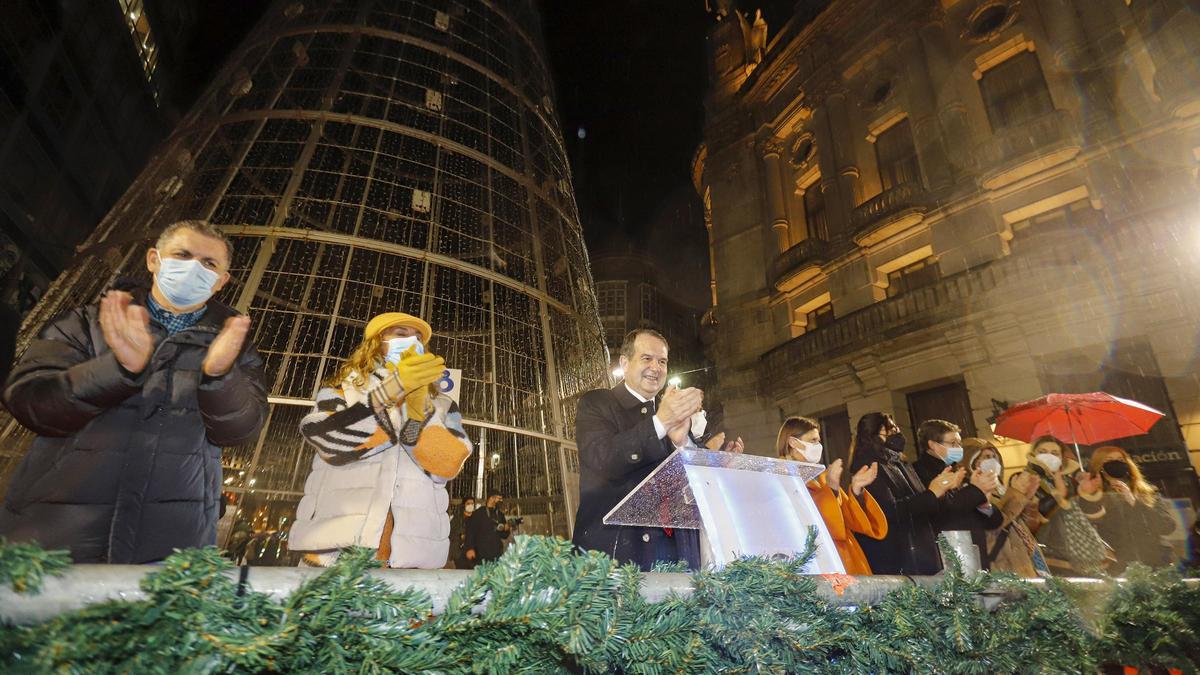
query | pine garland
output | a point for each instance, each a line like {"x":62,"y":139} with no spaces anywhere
{"x":543,"y":608}
{"x":23,"y":566}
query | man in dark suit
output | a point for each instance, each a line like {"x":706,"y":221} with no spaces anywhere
{"x":623,"y":434}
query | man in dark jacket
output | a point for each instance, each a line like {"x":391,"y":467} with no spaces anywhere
{"x":487,"y":528}
{"x":623,"y":435}
{"x":940,"y":446}
{"x":132,"y":399}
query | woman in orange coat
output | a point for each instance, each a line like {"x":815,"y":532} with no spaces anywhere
{"x":845,"y":514}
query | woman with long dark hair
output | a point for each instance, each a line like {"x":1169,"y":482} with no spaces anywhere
{"x":845,"y":514}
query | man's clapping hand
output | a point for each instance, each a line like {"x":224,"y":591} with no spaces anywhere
{"x":126,"y":330}
{"x":678,"y":405}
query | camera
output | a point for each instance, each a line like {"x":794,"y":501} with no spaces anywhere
{"x":513,"y":522}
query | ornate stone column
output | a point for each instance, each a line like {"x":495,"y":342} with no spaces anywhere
{"x":772,"y":149}
{"x":837,"y":205}
{"x":951,"y":110}
{"x":922,"y":112}
{"x":843,"y":147}
{"x":1072,"y":51}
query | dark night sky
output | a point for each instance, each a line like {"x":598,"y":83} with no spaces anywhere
{"x":631,"y":74}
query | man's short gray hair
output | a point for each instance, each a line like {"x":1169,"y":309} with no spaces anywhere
{"x":199,"y":226}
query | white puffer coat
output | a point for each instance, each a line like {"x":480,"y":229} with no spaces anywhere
{"x":360,"y":472}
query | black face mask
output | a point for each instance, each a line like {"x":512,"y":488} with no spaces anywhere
{"x":895,"y":442}
{"x":1116,"y":468}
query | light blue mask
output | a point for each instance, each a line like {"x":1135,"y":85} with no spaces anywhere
{"x":397,"y":347}
{"x":185,"y":283}
{"x":953,"y":455}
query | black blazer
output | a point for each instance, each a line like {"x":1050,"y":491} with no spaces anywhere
{"x":618,"y":448}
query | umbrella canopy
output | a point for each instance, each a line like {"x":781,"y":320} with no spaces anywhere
{"x":1077,"y":418}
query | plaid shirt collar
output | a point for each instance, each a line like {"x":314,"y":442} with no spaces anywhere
{"x":172,"y":322}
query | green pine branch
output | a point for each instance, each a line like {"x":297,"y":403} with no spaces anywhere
{"x":544,"y":608}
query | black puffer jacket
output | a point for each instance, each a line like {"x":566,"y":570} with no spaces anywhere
{"x":125,"y":469}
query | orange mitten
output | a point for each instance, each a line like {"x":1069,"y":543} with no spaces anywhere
{"x":441,"y":452}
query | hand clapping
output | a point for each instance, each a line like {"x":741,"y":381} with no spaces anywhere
{"x":863,"y":477}
{"x":126,"y":330}
{"x":678,"y":405}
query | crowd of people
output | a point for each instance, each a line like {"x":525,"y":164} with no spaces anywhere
{"x":883,"y":512}
{"x":133,"y":397}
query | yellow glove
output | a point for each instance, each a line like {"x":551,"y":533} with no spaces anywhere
{"x":419,"y":370}
{"x":416,"y":373}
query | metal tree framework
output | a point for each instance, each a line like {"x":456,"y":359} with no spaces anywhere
{"x":379,"y":155}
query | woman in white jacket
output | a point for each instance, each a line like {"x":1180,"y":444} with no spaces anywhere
{"x":387,"y":443}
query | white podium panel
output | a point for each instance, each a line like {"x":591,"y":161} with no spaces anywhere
{"x":745,"y":505}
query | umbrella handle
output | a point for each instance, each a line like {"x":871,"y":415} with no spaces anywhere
{"x":1071,"y":425}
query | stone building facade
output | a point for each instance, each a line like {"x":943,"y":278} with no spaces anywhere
{"x":937,"y":207}
{"x":634,"y":292}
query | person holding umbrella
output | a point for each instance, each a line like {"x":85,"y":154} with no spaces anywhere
{"x":1127,"y":511}
{"x":1070,"y":543}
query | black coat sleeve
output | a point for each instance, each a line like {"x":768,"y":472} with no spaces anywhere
{"x":234,"y":405}
{"x":471,"y":536}
{"x":893,"y":492}
{"x":606,"y":450}
{"x":67,"y":377}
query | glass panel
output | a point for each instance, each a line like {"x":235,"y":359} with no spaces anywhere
{"x":665,"y":498}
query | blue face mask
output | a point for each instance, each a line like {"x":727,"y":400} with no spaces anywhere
{"x":953,"y":454}
{"x":184,"y":283}
{"x":397,"y":347}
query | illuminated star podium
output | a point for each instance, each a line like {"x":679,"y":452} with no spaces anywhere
{"x":742,"y":504}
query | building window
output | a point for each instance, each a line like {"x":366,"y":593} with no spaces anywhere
{"x":947,"y":402}
{"x":819,"y":317}
{"x":912,"y":277}
{"x":610,"y":301}
{"x":610,"y":296}
{"x":650,"y":304}
{"x":143,"y":41}
{"x":1015,"y":91}
{"x":814,"y":212}
{"x":897,"y":156}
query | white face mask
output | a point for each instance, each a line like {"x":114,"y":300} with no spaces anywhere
{"x":991,"y":465}
{"x":1051,"y":462}
{"x":469,"y":508}
{"x":185,"y":283}
{"x":699,"y":423}
{"x":810,"y":451}
{"x":397,"y":347}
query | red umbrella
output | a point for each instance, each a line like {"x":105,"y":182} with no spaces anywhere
{"x":1077,"y":418}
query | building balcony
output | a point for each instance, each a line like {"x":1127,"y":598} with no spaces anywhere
{"x":799,"y":264}
{"x":915,"y":310}
{"x":889,"y":213}
{"x":1026,"y":148}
